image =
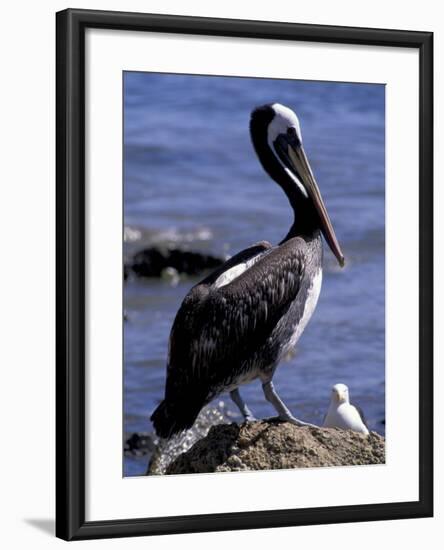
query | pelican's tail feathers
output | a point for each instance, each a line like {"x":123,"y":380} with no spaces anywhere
{"x":170,"y":419}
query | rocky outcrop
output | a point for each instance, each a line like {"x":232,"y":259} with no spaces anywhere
{"x":267,"y":445}
{"x":154,"y":261}
{"x":139,"y":444}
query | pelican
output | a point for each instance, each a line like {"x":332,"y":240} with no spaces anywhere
{"x":237,"y":323}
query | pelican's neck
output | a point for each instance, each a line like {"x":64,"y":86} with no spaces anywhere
{"x":306,"y":220}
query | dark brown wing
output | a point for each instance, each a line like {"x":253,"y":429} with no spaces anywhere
{"x":217,"y":329}
{"x":243,"y":256}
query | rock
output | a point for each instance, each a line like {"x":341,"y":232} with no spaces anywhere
{"x":268,"y":445}
{"x":153,"y":261}
{"x":139,"y":444}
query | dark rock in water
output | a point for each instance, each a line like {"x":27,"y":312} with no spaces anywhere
{"x":151,"y":262}
{"x":139,"y":444}
{"x":265,"y":445}
{"x":126,"y":270}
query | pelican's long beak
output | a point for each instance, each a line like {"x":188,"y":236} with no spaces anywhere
{"x":298,"y":159}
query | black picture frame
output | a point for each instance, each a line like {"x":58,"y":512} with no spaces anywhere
{"x":70,"y":275}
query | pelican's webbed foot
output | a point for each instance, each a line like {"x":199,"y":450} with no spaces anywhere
{"x":296,"y":421}
{"x":282,"y":410}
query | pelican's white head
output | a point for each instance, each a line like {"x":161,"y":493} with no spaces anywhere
{"x":284,"y":121}
{"x":277,"y":138}
{"x":339,"y":394}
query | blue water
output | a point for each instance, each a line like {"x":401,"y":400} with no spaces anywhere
{"x":191,"y":176}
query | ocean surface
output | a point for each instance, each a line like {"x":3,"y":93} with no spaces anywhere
{"x":191,"y":178}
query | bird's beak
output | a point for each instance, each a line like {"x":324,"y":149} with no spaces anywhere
{"x":298,"y":159}
{"x":340,"y":396}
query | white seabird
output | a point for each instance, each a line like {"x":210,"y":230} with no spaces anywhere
{"x":342,"y":414}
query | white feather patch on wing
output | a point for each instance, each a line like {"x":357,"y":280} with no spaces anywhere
{"x":230,"y":275}
{"x":234,"y":272}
